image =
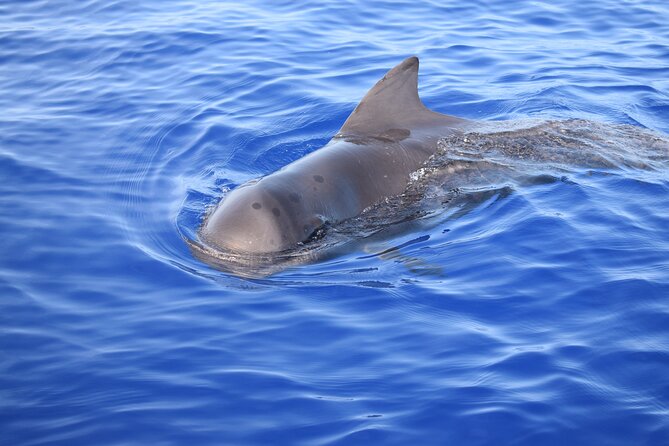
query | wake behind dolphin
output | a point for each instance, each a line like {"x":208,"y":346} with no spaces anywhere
{"x":391,"y":161}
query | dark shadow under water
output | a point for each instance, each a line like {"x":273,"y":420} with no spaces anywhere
{"x":466,"y":170}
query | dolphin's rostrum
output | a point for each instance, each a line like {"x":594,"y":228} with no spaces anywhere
{"x":386,"y":138}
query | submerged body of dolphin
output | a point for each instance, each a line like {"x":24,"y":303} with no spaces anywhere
{"x":387,"y":137}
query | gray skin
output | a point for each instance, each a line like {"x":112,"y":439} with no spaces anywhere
{"x":386,"y":138}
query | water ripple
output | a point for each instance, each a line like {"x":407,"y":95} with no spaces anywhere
{"x":539,"y":316}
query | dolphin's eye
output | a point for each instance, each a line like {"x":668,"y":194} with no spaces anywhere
{"x":317,"y":233}
{"x":256,"y":205}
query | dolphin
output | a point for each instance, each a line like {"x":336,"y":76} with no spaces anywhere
{"x":388,"y":136}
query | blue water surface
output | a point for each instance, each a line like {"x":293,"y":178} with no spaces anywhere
{"x":537,"y":318}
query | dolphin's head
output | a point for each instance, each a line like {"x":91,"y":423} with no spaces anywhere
{"x":254,"y":220}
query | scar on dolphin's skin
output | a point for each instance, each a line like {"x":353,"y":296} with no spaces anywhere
{"x":393,"y":135}
{"x":276,"y":212}
{"x":295,"y":198}
{"x":256,"y":205}
{"x":319,"y":179}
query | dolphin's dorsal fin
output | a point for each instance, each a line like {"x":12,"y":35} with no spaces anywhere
{"x":392,"y":103}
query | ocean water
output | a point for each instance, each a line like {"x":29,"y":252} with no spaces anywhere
{"x":538,"y":317}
